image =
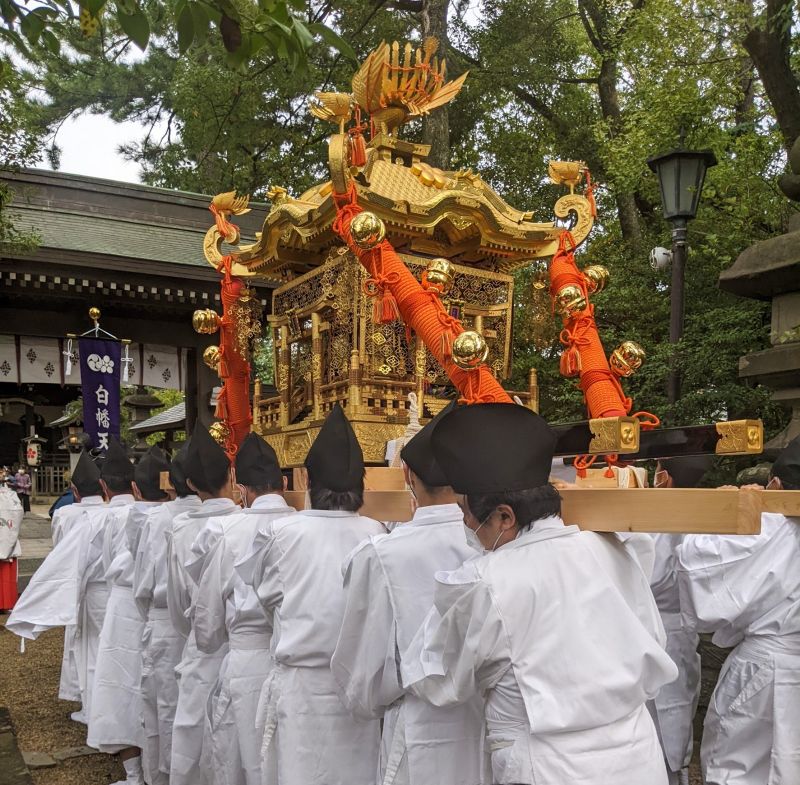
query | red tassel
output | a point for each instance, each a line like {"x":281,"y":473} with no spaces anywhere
{"x":570,"y":363}
{"x":389,"y":310}
{"x":447,"y":345}
{"x":358,"y":150}
{"x":609,"y":472}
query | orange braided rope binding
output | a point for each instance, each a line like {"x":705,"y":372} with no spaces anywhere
{"x":233,"y":404}
{"x":601,"y":389}
{"x":421,"y":310}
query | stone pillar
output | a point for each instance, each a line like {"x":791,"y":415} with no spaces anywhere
{"x":770,"y":270}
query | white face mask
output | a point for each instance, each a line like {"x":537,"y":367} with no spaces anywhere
{"x":472,"y":535}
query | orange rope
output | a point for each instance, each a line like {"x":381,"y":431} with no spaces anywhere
{"x":420,"y":310}
{"x":601,"y":389}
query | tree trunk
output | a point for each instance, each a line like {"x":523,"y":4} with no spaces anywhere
{"x":769,"y":48}
{"x":609,"y":106}
{"x":436,"y":125}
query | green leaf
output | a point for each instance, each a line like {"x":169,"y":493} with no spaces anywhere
{"x":136,"y":27}
{"x":51,"y":42}
{"x":31,"y":25}
{"x":332,"y":38}
{"x":186,"y":30}
{"x":94,"y":7}
{"x":302,"y":35}
{"x":201,"y":19}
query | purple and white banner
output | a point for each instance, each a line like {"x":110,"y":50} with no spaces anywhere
{"x":100,"y":373}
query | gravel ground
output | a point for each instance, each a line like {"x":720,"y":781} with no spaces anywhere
{"x":29,"y":688}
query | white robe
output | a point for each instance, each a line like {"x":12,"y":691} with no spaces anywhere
{"x":226,"y":609}
{"x":197,"y":672}
{"x":746,"y":590}
{"x":162,"y":644}
{"x":389,"y":581}
{"x":675,"y":705}
{"x":64,"y":518}
{"x":546,"y":627}
{"x":310,"y":738}
{"x":115,"y":718}
{"x":68,"y":590}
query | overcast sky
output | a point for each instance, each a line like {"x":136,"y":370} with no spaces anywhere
{"x":89,"y":146}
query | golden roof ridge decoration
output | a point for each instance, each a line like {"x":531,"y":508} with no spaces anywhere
{"x":426,"y":210}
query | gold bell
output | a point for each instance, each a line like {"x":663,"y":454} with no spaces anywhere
{"x":627,"y":358}
{"x":570,"y":300}
{"x":94,"y":313}
{"x":438,"y":276}
{"x":219,"y":432}
{"x":367,"y":230}
{"x":205,"y":321}
{"x":596,"y":277}
{"x":470,"y":350}
{"x":211,"y":357}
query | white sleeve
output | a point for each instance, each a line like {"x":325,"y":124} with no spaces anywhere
{"x":178,"y":597}
{"x":266,"y":575}
{"x":365,"y":663}
{"x":210,"y":599}
{"x":462,"y":647}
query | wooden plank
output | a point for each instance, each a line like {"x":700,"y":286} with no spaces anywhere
{"x":692,"y":511}
{"x":376,"y":478}
{"x":784,"y":502}
{"x":673,"y":510}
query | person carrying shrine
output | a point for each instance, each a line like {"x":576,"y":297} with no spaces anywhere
{"x":226,"y":609}
{"x":208,"y":475}
{"x":556,"y":627}
{"x":115,"y":718}
{"x":746,"y":591}
{"x":310,"y":738}
{"x":675,"y":705}
{"x":389,"y":582}
{"x":85,"y":486}
{"x":162,"y":644}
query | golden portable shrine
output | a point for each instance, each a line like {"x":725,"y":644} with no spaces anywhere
{"x":396,"y":277}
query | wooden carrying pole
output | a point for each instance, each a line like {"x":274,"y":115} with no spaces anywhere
{"x":671,"y":510}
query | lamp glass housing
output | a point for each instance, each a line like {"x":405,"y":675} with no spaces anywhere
{"x":680,"y":175}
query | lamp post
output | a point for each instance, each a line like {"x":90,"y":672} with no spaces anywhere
{"x":680,"y":175}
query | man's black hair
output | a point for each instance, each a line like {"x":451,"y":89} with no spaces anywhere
{"x":117,"y":483}
{"x":326,"y":499}
{"x":529,"y":505}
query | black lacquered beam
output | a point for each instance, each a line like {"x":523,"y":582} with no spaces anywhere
{"x":739,"y":437}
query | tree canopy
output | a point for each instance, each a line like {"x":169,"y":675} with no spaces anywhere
{"x":610,"y":83}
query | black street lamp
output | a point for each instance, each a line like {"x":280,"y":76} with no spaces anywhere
{"x":680,"y":175}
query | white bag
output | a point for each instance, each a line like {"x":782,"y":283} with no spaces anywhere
{"x":11,"y":513}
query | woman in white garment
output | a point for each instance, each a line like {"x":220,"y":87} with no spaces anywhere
{"x":675,"y":705}
{"x":746,"y":590}
{"x":541,"y":624}
{"x":310,"y":738}
{"x":389,"y":580}
{"x":226,"y":610}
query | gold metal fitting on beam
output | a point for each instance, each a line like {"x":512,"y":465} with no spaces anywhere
{"x":614,"y":435}
{"x":740,"y":437}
